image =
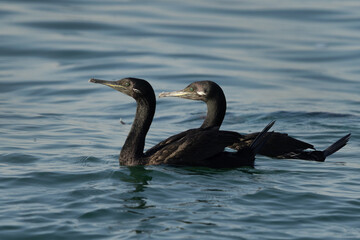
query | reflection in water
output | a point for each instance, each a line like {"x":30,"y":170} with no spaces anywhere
{"x":296,"y":62}
{"x":140,"y":178}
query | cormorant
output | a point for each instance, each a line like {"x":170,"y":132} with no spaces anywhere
{"x":278,"y":145}
{"x":194,"y":147}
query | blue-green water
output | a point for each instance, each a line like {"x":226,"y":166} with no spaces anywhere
{"x":293,"y":61}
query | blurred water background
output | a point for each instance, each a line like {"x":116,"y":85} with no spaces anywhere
{"x":296,"y":62}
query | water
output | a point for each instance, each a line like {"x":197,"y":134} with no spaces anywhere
{"x":293,"y":61}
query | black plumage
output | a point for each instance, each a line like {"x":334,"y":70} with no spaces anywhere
{"x":278,"y":145}
{"x":195,"y":147}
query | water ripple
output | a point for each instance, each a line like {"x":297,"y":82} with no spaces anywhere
{"x":61,"y":136}
{"x":17,"y":158}
{"x":69,"y":26}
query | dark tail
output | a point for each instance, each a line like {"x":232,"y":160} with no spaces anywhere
{"x":261,"y":138}
{"x":336,"y":145}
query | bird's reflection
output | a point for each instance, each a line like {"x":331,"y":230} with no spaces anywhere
{"x":140,"y":178}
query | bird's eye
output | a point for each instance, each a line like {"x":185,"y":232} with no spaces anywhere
{"x":127,"y":84}
{"x":191,"y":89}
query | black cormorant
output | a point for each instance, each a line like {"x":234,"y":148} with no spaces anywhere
{"x":278,"y":145}
{"x":194,"y":147}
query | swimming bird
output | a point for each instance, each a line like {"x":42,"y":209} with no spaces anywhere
{"x":278,"y":145}
{"x":194,"y":147}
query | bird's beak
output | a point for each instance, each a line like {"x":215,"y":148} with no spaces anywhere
{"x":180,"y":93}
{"x":113,"y":84}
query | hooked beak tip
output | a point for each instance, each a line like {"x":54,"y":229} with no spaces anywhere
{"x":163,"y":94}
{"x":93,"y":80}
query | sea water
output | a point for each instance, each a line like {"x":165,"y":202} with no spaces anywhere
{"x":296,"y":62}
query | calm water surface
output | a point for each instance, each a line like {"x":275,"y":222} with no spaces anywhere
{"x":293,"y":61}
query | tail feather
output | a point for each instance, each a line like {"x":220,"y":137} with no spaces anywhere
{"x":337,"y":145}
{"x":261,"y":138}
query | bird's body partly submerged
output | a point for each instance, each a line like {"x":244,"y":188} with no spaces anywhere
{"x":195,"y":147}
{"x":278,"y":145}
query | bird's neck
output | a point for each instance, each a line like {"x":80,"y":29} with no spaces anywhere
{"x":132,"y":153}
{"x":216,"y":109}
